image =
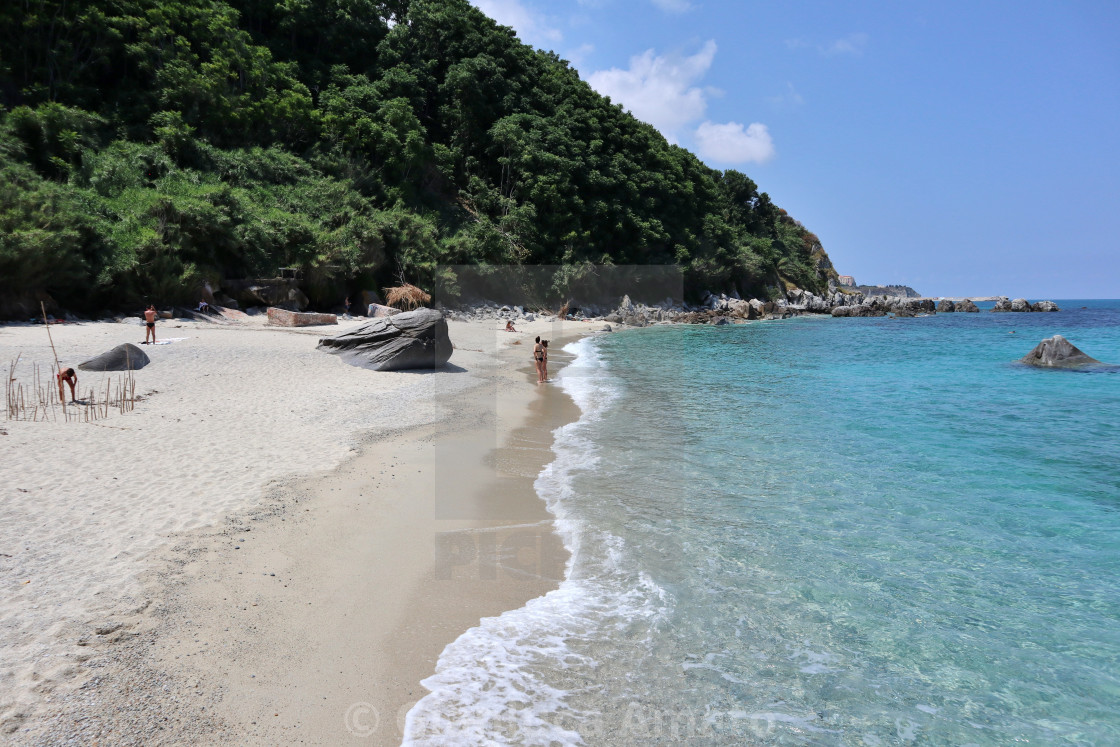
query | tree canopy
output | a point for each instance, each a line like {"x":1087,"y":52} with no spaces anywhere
{"x":147,"y":146}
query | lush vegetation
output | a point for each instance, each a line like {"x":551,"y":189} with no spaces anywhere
{"x":148,"y":146}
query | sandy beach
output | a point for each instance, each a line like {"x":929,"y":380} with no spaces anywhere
{"x":275,"y":546}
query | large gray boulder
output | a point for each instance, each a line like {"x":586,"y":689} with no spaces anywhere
{"x":1020,"y":305}
{"x":121,"y":358}
{"x":1003,"y":304}
{"x":945,"y":305}
{"x":1044,"y":306}
{"x":1057,"y":352}
{"x":967,"y":306}
{"x":412,"y":339}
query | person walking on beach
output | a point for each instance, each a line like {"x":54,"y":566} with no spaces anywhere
{"x":69,"y":376}
{"x":538,"y":358}
{"x":150,"y":323}
{"x":544,"y":360}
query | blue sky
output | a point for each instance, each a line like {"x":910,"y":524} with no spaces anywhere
{"x":963,"y":148}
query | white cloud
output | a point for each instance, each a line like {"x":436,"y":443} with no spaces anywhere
{"x":579,"y":55}
{"x":673,"y":6}
{"x":788,"y":100}
{"x":852,"y":44}
{"x":532,"y":27}
{"x":663,"y":91}
{"x":732,"y":143}
{"x":659,"y":89}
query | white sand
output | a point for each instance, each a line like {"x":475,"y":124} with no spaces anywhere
{"x":228,"y":412}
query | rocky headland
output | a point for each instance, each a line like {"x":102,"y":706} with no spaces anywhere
{"x":723,"y":309}
{"x":901,"y":291}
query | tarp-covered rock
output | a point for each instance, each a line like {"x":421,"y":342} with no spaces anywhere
{"x":411,"y":339}
{"x":121,"y":358}
{"x":1057,"y":352}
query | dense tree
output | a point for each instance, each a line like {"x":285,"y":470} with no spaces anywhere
{"x":149,"y":145}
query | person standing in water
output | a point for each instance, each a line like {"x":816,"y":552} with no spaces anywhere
{"x":150,"y":324}
{"x":538,"y":358}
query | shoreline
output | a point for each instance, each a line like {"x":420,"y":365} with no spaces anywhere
{"x":135,"y":651}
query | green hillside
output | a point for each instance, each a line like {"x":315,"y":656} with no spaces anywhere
{"x":147,"y":146}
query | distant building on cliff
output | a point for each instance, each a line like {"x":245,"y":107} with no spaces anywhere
{"x":847,"y":281}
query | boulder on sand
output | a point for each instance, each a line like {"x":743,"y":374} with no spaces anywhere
{"x":411,"y":339}
{"x":284,"y":318}
{"x":1057,"y":352}
{"x":121,"y":358}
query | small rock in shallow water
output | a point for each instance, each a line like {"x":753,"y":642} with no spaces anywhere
{"x":1057,"y":352}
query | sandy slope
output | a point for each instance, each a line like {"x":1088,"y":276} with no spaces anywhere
{"x":229,"y":413}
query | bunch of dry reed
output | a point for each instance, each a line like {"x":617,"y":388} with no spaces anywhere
{"x":406,"y":297}
{"x":41,"y":399}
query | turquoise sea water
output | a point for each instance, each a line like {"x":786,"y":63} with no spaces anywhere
{"x":819,"y":531}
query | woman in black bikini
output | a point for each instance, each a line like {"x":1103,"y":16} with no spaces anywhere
{"x":538,"y":358}
{"x":544,"y":362}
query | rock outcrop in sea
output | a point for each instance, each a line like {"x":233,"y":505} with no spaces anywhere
{"x":1023,"y":305}
{"x":409,"y":340}
{"x":1057,"y":352}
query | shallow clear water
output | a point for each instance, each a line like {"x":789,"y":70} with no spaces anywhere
{"x":819,"y":531}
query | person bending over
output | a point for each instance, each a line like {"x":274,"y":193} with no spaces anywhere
{"x":70,"y":377}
